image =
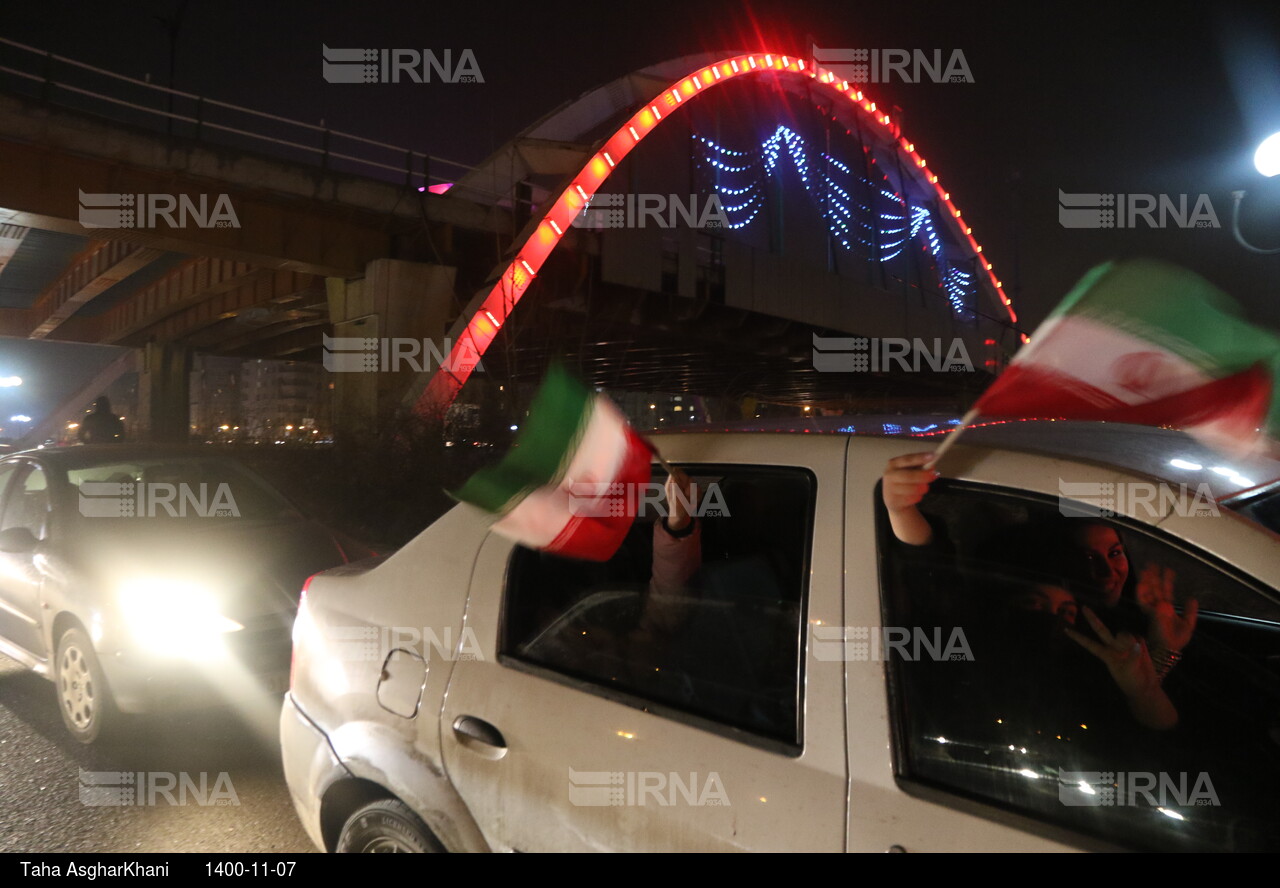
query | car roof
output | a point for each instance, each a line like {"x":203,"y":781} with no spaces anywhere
{"x":1164,"y":454}
{"x":80,"y":456}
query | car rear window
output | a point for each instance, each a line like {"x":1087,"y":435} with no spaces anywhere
{"x":174,"y":488}
{"x":723,"y":646}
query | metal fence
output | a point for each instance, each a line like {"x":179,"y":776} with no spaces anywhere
{"x":77,"y":86}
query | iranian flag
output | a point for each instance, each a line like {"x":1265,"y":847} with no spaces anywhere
{"x":1149,"y":343}
{"x":566,"y":485}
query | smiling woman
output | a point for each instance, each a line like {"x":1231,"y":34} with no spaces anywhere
{"x":1120,"y":683}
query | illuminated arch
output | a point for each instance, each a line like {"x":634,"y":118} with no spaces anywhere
{"x":487,"y":312}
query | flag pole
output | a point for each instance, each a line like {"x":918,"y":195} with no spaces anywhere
{"x":951,"y":439}
{"x":662,"y":462}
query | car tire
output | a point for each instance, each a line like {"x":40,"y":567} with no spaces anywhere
{"x":84,"y":699}
{"x":387,"y":826}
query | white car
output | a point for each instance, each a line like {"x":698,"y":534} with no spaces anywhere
{"x":816,"y":685}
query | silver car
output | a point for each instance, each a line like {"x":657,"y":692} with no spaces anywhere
{"x":816,"y":685}
{"x":142,"y":579}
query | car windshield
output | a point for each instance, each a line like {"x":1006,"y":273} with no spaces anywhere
{"x":187,"y":488}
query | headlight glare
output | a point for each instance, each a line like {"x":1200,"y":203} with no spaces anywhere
{"x":174,"y":617}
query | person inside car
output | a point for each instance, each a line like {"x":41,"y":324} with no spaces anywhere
{"x":731,"y":589}
{"x":1144,"y":602}
{"x":1092,"y":555}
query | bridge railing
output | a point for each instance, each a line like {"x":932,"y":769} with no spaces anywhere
{"x":78,"y":86}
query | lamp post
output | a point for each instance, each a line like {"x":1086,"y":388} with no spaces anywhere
{"x":1267,"y":162}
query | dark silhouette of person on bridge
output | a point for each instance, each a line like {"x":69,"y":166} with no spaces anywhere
{"x":101,"y":425}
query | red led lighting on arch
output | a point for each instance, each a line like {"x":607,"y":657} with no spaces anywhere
{"x":484,"y":325}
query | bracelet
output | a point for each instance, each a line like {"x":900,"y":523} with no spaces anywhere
{"x":1164,"y":661}
{"x":679,"y":534}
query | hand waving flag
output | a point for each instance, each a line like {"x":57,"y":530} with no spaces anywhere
{"x":1149,"y":343}
{"x":562,"y":487}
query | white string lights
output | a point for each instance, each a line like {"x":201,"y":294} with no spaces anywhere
{"x":885,"y":228}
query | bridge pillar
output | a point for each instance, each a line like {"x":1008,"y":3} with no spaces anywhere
{"x":163,"y":395}
{"x":405,"y":308}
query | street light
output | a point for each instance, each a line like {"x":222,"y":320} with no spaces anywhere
{"x":1267,"y":157}
{"x":10,"y":381}
{"x":20,"y":418}
{"x":1267,"y":161}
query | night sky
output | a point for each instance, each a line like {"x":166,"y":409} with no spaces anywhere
{"x":1114,"y":98}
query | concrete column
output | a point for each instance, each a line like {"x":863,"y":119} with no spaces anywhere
{"x":397,"y":308}
{"x":163,"y":395}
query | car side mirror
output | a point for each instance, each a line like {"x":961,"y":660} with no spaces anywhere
{"x":17,"y":540}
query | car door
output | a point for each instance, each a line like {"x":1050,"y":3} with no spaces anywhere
{"x":26,"y":505}
{"x":1028,"y":738}
{"x":575,"y":735}
{"x":10,"y":563}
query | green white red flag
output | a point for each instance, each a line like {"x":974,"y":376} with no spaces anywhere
{"x":1149,"y":343}
{"x":562,"y":487}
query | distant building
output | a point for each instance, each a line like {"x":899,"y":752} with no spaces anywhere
{"x":215,"y":412}
{"x":284,"y":401}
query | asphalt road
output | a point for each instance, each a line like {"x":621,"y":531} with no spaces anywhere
{"x":246,"y":806}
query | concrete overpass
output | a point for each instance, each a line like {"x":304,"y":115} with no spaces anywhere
{"x":330,"y":233}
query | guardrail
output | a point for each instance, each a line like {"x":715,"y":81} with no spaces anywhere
{"x":81,"y":87}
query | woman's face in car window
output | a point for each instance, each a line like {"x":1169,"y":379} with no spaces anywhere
{"x":1104,"y":560}
{"x":1049,"y":599}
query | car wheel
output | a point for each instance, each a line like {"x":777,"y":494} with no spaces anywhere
{"x":83,"y":696}
{"x":386,"y":826}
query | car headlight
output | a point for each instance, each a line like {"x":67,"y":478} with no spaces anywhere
{"x":173,"y":617}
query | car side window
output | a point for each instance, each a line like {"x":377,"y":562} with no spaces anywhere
{"x":1094,"y":696}
{"x":722,"y":644}
{"x":28,"y":503}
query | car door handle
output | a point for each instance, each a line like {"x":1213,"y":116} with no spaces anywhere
{"x":479,"y":735}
